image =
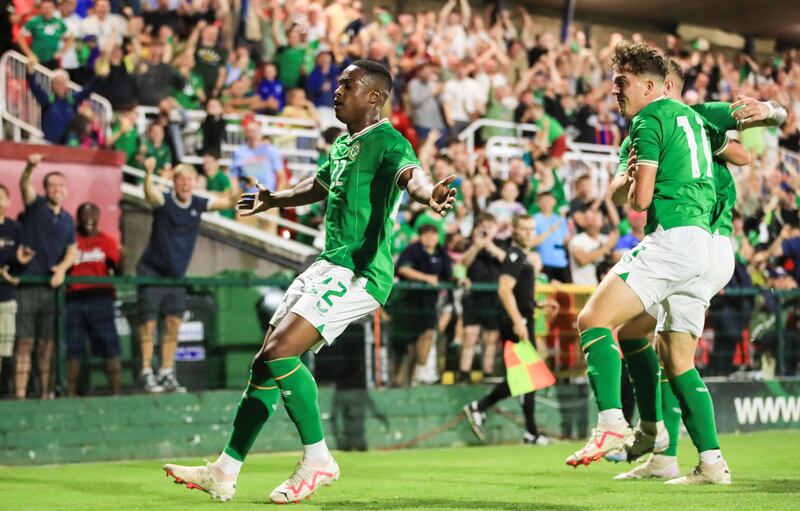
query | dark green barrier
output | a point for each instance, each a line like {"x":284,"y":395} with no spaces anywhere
{"x":198,"y":424}
{"x":755,"y":406}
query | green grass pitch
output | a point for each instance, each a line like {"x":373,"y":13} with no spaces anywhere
{"x":765,"y":468}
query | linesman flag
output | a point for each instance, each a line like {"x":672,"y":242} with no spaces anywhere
{"x":525,"y":368}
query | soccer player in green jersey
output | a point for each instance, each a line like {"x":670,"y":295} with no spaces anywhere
{"x":672,"y":180}
{"x":363,"y":181}
{"x":654,"y":396}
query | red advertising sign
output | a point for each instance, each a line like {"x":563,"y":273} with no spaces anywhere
{"x":92,"y":176}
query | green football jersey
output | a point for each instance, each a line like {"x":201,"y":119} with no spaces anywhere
{"x":363,"y":199}
{"x":721,"y":116}
{"x":46,"y":36}
{"x":680,"y":144}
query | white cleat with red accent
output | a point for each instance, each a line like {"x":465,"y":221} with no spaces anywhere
{"x":605,"y":438}
{"x":204,"y":478}
{"x":706,"y":473}
{"x":307,"y":478}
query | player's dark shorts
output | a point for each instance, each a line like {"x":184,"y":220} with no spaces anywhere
{"x":482,"y":308}
{"x":92,"y":318}
{"x":156,"y":301}
{"x":36,"y":313}
{"x":507,"y":329}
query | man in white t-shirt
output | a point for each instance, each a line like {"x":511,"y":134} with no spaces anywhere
{"x":107,"y":27}
{"x":589,"y":248}
{"x":74,"y":23}
{"x":463,"y":99}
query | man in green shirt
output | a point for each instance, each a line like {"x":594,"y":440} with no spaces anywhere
{"x":125,"y":138}
{"x":654,"y":396}
{"x":290,"y":60}
{"x":156,"y":147}
{"x":363,"y":181}
{"x":218,"y":181}
{"x":209,"y":58}
{"x":46,"y":32}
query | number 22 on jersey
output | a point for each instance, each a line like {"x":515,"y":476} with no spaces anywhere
{"x":338,"y":169}
{"x":691,"y":139}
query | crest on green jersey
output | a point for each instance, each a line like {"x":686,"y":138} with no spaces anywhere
{"x":354,"y":150}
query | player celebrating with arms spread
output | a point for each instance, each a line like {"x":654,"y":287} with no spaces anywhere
{"x":673,"y":182}
{"x":363,"y":182}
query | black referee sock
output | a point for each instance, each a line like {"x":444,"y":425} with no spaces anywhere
{"x":497,"y":394}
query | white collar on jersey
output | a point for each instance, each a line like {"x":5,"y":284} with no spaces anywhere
{"x":182,"y":205}
{"x":369,"y":128}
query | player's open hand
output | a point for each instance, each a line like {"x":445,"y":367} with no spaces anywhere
{"x":746,"y":109}
{"x":442,"y":196}
{"x":253,"y":203}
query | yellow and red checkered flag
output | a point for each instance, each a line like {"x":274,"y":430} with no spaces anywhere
{"x":525,"y":368}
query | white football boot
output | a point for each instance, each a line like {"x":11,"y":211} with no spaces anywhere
{"x":308,"y":477}
{"x":656,"y":467}
{"x":604,"y":439}
{"x":203,"y":477}
{"x":706,"y":473}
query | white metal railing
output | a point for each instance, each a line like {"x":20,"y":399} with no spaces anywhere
{"x":296,"y":139}
{"x":512,"y":129}
{"x":20,"y":108}
{"x":597,"y":161}
{"x":499,"y":153}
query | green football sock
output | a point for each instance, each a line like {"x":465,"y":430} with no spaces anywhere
{"x":671,"y":410}
{"x":299,"y":391}
{"x":603,"y":366}
{"x":645,"y":372}
{"x":255,"y":408}
{"x":697,"y":409}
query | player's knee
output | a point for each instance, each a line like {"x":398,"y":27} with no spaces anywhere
{"x":587,"y":319}
{"x":277,"y":346}
{"x":632,"y":331}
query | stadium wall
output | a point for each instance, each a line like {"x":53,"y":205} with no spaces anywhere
{"x":197,"y":424}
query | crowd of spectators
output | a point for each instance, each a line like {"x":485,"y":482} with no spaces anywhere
{"x":451,"y":67}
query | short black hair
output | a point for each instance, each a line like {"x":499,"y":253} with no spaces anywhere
{"x":376,"y":71}
{"x":88,"y":205}
{"x":50,"y":174}
{"x":426,"y":228}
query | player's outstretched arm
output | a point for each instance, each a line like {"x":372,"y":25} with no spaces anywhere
{"x":439,"y":197}
{"x":308,"y":191}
